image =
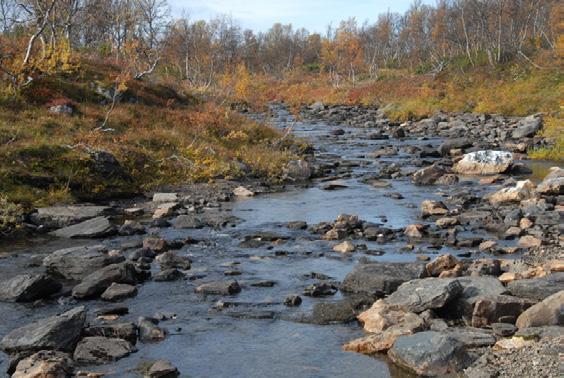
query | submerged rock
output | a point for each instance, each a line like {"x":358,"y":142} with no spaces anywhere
{"x":100,"y":350}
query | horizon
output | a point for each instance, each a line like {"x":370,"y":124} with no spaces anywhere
{"x":313,"y":15}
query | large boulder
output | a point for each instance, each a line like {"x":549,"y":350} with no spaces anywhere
{"x":537,"y":288}
{"x":100,"y":350}
{"x":28,"y":288}
{"x":549,"y":312}
{"x":59,"y":332}
{"x":430,"y":354}
{"x":553,"y":183}
{"x":484,"y":163}
{"x":424,"y":294}
{"x":380,"y":279}
{"x":77,"y":262}
{"x":62,"y":216}
{"x":98,"y":227}
{"x":96,"y":283}
{"x":45,"y":364}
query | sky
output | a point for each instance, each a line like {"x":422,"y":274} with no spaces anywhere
{"x":313,"y":15}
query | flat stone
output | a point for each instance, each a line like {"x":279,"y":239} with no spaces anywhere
{"x":165,"y":197}
{"x":537,"y":288}
{"x":430,"y":353}
{"x":96,"y":283}
{"x":100,"y":350}
{"x":503,"y":329}
{"x":549,"y":312}
{"x":59,"y":332}
{"x":219,"y":288}
{"x":380,"y":279}
{"x":424,"y":294}
{"x":117,"y":292}
{"x":45,"y":364}
{"x":98,"y":227}
{"x":62,"y":216}
{"x":28,"y":288}
{"x":241,"y":191}
{"x":472,"y":337}
{"x":125,"y":331}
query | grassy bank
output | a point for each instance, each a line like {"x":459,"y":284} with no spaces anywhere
{"x":155,"y":135}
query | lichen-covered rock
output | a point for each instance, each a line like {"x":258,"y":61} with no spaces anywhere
{"x":484,"y":163}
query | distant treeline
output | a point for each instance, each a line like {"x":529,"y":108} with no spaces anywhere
{"x":40,"y":35}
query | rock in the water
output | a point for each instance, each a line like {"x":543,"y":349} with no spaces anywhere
{"x":430,"y":353}
{"x":100,"y":350}
{"x":292,"y":300}
{"x":168,"y":275}
{"x":219,"y":288}
{"x":77,"y":262}
{"x":96,"y":283}
{"x":118,"y":292}
{"x":344,"y":247}
{"x":415,"y":231}
{"x":428,"y":176}
{"x":298,"y":170}
{"x":333,"y":312}
{"x":126,"y":331}
{"x":424,"y":294}
{"x":162,"y":369}
{"x":59,"y":332}
{"x":171,"y":260}
{"x":28,"y":288}
{"x":98,"y":227}
{"x":549,"y":312}
{"x":430,"y":208}
{"x":537,"y":288}
{"x":454,"y":144}
{"x":490,"y":309}
{"x":149,"y":331}
{"x":62,"y":216}
{"x":241,"y":191}
{"x":45,"y":364}
{"x":165,"y":197}
{"x":484,"y":163}
{"x":379,"y":279}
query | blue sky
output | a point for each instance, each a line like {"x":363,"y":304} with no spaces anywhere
{"x":314,"y":15}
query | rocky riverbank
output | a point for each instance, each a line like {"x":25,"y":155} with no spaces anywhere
{"x":450,"y":259}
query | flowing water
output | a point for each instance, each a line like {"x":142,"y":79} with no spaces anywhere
{"x":258,"y":336}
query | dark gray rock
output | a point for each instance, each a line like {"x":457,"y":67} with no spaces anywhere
{"x":333,"y":312}
{"x":473,"y":289}
{"x":126,"y":331}
{"x":93,"y":228}
{"x":428,"y":176}
{"x":168,"y":275}
{"x":100,"y":350}
{"x":456,"y":143}
{"x":117,"y":292}
{"x":219,"y":288}
{"x":497,"y":308}
{"x":171,"y":260}
{"x":162,"y":369}
{"x":504,"y":329}
{"x":62,"y":216}
{"x":380,"y":279}
{"x":96,"y":283}
{"x":149,"y":331}
{"x":28,"y":288}
{"x":537,"y":288}
{"x":77,"y":262}
{"x":430,"y":353}
{"x":424,"y":294}
{"x":472,"y":337}
{"x":59,"y":332}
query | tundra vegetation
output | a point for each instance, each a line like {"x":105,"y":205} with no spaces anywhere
{"x":159,"y":95}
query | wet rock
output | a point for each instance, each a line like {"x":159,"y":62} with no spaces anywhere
{"x":292,"y":300}
{"x":523,"y":190}
{"x":62,"y":216}
{"x":149,"y":331}
{"x":28,"y":288}
{"x":321,"y":289}
{"x":98,"y":227}
{"x":162,"y":369}
{"x":454,"y":144}
{"x":219,"y":288}
{"x":415,"y":231}
{"x":430,"y":208}
{"x":333,"y":312}
{"x":117,"y":292}
{"x":298,"y":170}
{"x":553,"y":183}
{"x":168,"y":275}
{"x":441,"y":264}
{"x":537,"y":288}
{"x":297,"y":225}
{"x":171,"y":260}
{"x":484,"y":163}
{"x":424,"y":294}
{"x":428,"y":176}
{"x":334,"y":185}
{"x":430,"y":353}
{"x":344,"y":247}
{"x":45,"y":364}
{"x":379,"y":279}
{"x":546,"y":313}
{"x":125,"y":331}
{"x":112,"y":311}
{"x":130,"y":227}
{"x":59,"y":332}
{"x":498,"y":308}
{"x":100,"y":350}
{"x":96,"y":283}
